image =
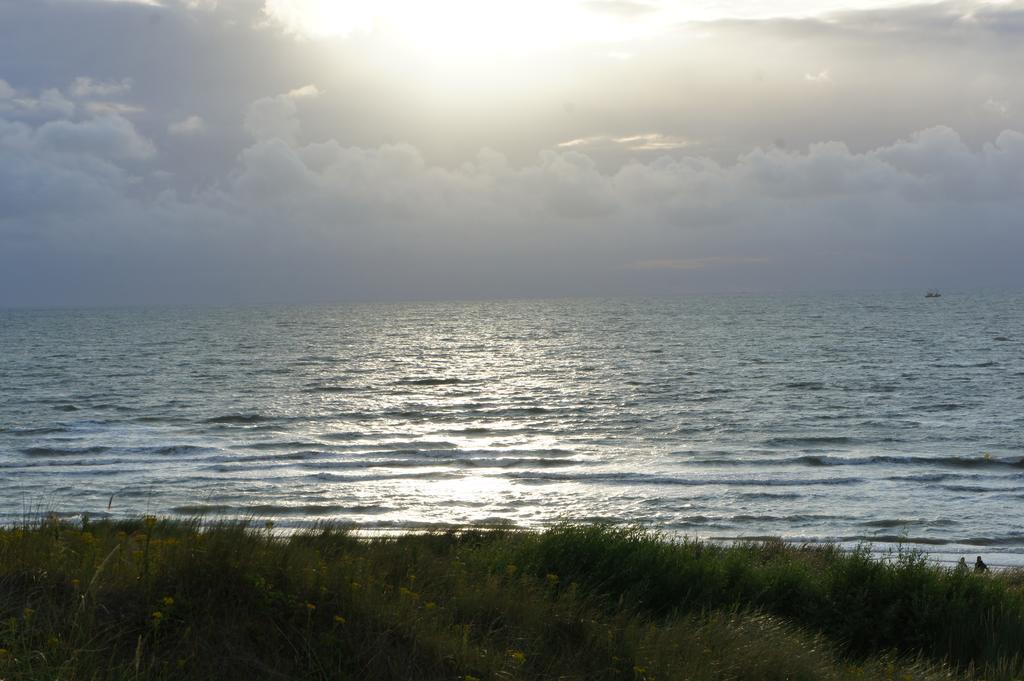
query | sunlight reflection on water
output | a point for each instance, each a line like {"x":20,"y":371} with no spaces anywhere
{"x":881,"y":418}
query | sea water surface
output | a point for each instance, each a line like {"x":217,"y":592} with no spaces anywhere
{"x":875,"y":418}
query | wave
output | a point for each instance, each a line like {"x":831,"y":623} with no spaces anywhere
{"x":478,"y":431}
{"x":516,"y":462}
{"x":805,"y":385}
{"x":648,"y":479}
{"x":960,"y":461}
{"x":240,"y":419}
{"x":942,"y":406}
{"x":86,"y":470}
{"x":333,"y":389}
{"x":279,"y":509}
{"x":921,"y":477}
{"x":946,"y":461}
{"x":769,"y":495}
{"x":345,"y":436}
{"x":1005,"y":540}
{"x":64,"y":451}
{"x":28,"y":432}
{"x":511,"y":411}
{"x":796,"y":518}
{"x":822,"y":460}
{"x":897,"y":539}
{"x":66,"y":462}
{"x":430,"y":381}
{"x":809,"y":440}
{"x":974,"y":489}
{"x":266,"y":459}
{"x":362,"y":464}
{"x":171,"y":450}
{"x":888,"y":523}
{"x":428,"y":475}
{"x":279,"y":444}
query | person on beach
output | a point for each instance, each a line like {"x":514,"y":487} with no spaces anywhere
{"x":979,"y":565}
{"x":962,"y":565}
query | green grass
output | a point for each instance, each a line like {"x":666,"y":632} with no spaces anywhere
{"x":158,"y":599}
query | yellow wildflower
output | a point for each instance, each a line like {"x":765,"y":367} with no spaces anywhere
{"x":4,"y":653}
{"x":310,"y":606}
{"x":338,"y":619}
{"x":552,"y":578}
{"x":157,"y":616}
{"x":517,"y":656}
{"x":510,"y":569}
{"x":430,"y":605}
{"x":168,"y":601}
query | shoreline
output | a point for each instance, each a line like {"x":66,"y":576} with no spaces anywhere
{"x":940,"y":553}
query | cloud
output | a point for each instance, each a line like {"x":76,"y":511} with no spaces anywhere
{"x":997,"y":106}
{"x":653,"y":142}
{"x":62,"y":178}
{"x":649,"y":141}
{"x":276,"y":117}
{"x":304,"y":92}
{"x":397,"y":177}
{"x":193,"y":125}
{"x":320,"y":18}
{"x":113,"y":108}
{"x":87,"y":87}
{"x":820,"y":78}
{"x":619,"y":8}
{"x":292,"y":220}
{"x":108,"y":136}
{"x":50,"y":103}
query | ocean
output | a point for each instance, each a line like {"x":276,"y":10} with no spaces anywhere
{"x":885,"y":419}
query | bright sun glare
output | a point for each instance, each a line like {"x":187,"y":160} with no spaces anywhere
{"x":482,"y":27}
{"x":458,"y":26}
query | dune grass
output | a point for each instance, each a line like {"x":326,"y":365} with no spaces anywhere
{"x":161,"y":599}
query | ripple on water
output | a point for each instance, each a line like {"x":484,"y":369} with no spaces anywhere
{"x":841,"y":416}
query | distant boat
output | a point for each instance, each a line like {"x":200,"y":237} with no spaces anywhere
{"x":933,"y":294}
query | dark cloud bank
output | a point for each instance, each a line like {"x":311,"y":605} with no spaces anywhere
{"x":197,"y":154}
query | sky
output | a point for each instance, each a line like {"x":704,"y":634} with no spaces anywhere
{"x":245,"y":151}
